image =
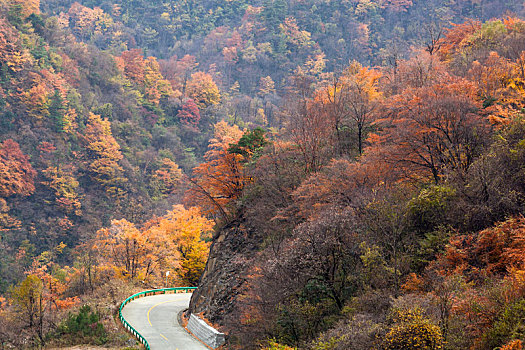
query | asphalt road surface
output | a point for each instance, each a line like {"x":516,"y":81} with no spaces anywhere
{"x":155,"y":317}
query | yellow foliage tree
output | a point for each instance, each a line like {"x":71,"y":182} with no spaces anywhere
{"x":273,"y":345}
{"x":177,"y":241}
{"x":41,"y":294}
{"x":155,"y":86}
{"x":295,"y":36}
{"x":131,"y":252}
{"x":70,"y":120}
{"x":103,"y":155}
{"x":190,"y":232}
{"x":412,"y":331}
{"x":65,"y":186}
{"x":86,"y":21}
{"x":9,"y":48}
{"x":27,"y":298}
{"x":36,"y":100}
{"x":203,"y":90}
{"x":350,"y":100}
{"x":167,"y":177}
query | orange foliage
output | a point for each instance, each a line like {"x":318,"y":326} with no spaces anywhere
{"x":129,"y":250}
{"x":36,"y":98}
{"x":54,"y":289}
{"x":43,"y":292}
{"x":514,"y":24}
{"x":515,"y":285}
{"x":146,"y":74}
{"x":16,"y":173}
{"x":174,"y":242}
{"x":499,"y":83}
{"x":86,"y":21}
{"x":513,"y":345}
{"x":220,"y":179}
{"x":413,"y":284}
{"x":431,"y":129}
{"x":65,"y":187}
{"x":455,"y":38}
{"x":493,"y":251}
{"x":169,"y":175}
{"x":133,"y":65}
{"x":350,"y":101}
{"x":189,"y":231}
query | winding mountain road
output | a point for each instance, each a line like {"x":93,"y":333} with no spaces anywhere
{"x":155,"y":317}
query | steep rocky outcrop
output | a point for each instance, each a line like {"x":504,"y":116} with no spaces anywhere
{"x":225,"y":275}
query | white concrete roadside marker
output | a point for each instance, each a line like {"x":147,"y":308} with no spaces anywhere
{"x":207,"y":334}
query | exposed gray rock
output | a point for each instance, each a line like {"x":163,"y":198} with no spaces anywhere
{"x":225,"y":275}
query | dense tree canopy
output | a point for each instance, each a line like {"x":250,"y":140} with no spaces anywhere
{"x":360,"y":164}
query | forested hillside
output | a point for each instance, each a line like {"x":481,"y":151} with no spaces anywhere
{"x":388,"y":214}
{"x":245,"y":40}
{"x":87,"y":136}
{"x":91,"y":139}
{"x":355,"y":167}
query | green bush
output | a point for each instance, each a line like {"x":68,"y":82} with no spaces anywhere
{"x":85,"y":325}
{"x":509,"y":326}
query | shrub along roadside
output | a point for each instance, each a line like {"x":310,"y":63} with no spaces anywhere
{"x":83,"y":327}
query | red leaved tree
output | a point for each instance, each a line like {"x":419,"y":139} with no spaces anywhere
{"x":189,"y":114}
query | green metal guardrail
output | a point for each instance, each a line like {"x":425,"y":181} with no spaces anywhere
{"x":147,"y":293}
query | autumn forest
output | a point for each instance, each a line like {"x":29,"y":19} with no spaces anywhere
{"x":331,"y":175}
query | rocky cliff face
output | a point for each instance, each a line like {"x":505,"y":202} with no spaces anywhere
{"x":225,"y":275}
{"x":228,"y":294}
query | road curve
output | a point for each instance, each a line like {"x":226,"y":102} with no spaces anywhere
{"x":155,"y":317}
